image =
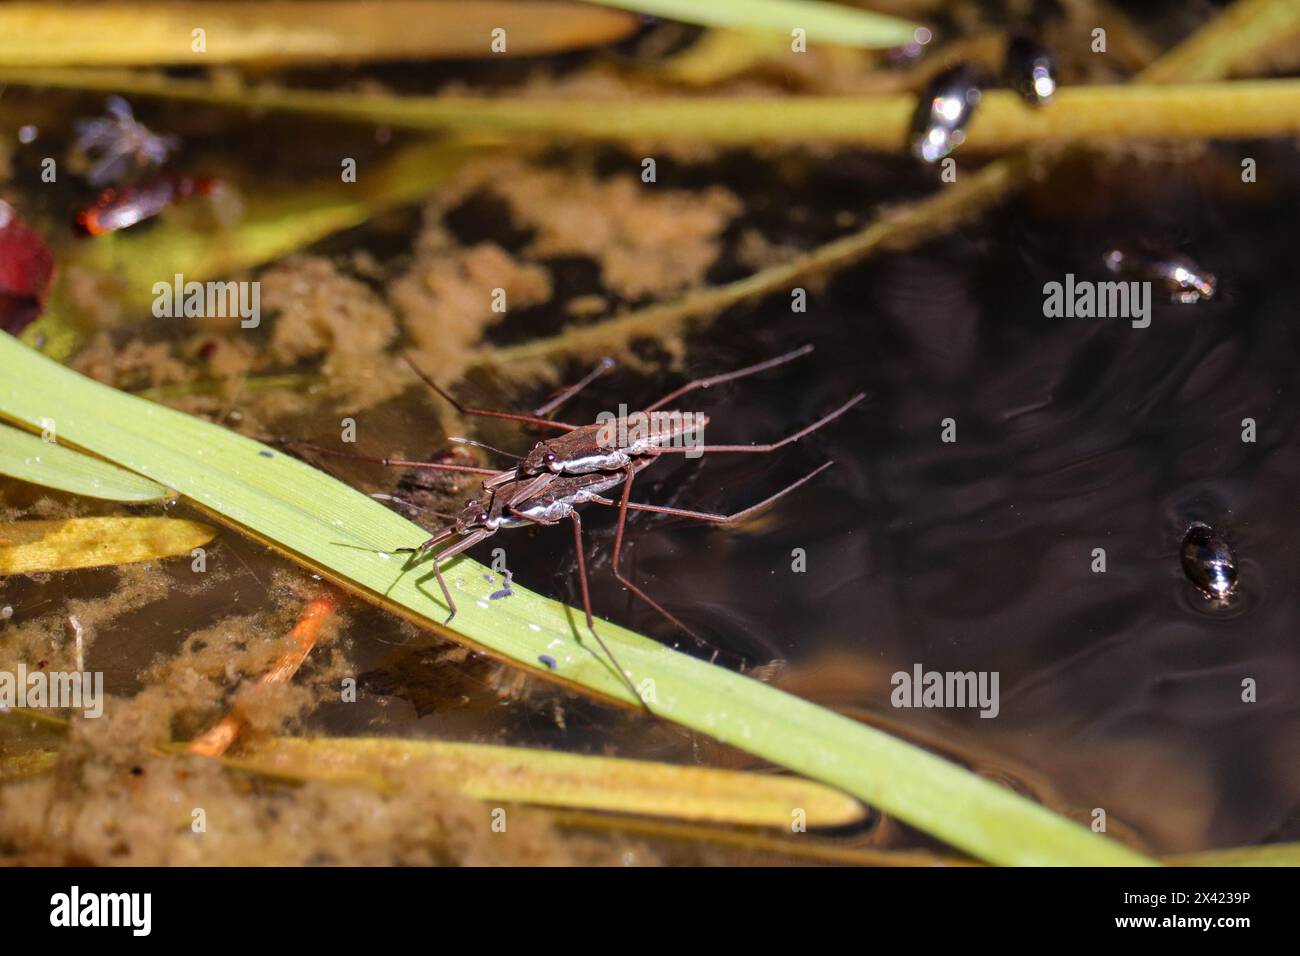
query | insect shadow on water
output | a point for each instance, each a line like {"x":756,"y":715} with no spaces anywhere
{"x":558,"y":475}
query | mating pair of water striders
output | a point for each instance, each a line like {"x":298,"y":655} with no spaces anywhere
{"x":579,"y":465}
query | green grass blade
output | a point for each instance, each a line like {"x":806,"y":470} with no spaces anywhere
{"x":822,"y":22}
{"x":28,"y":457}
{"x":349,"y":538}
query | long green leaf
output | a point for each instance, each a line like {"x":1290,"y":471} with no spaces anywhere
{"x":29,"y":457}
{"x":351,"y":538}
{"x":822,"y":22}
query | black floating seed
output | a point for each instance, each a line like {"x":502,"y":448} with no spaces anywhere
{"x":942,"y":112}
{"x":548,"y":660}
{"x":1031,"y":69}
{"x":1176,"y":275}
{"x":266,"y":454}
{"x":1209,"y":563}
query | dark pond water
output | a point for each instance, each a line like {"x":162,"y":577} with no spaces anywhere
{"x":1119,"y":690}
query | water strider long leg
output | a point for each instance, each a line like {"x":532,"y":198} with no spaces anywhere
{"x":623,"y":579}
{"x":412,"y":506}
{"x":730,"y":376}
{"x":773,"y":446}
{"x":603,"y":366}
{"x":485,"y":412}
{"x":586,"y":607}
{"x":586,"y":594}
{"x":707,"y":516}
{"x":397,"y":462}
{"x":625,"y":505}
{"x":464,"y":544}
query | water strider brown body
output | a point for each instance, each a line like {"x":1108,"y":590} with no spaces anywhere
{"x":614,"y":441}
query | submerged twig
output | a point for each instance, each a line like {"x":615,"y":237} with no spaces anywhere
{"x":801,"y":847}
{"x":147,"y":32}
{"x":1080,"y":114}
{"x":898,"y":228}
{"x":217,"y":739}
{"x":1237,"y":35}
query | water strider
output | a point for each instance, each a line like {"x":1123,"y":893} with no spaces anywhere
{"x":550,"y":499}
{"x":555,"y":479}
{"x":610,"y":444}
{"x":615,"y":441}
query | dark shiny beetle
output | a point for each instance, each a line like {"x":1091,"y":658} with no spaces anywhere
{"x":1031,"y":70}
{"x":942,"y":112}
{"x":1209,"y":563}
{"x":1181,"y":279}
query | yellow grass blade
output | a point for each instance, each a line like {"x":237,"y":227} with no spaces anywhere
{"x":30,"y":547}
{"x":147,"y":33}
{"x":517,"y":775}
